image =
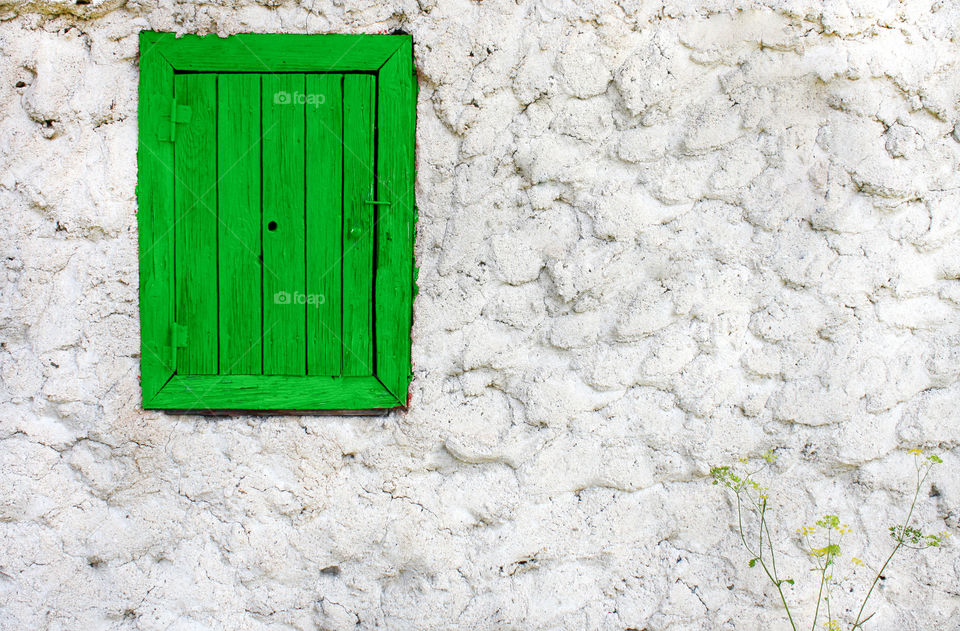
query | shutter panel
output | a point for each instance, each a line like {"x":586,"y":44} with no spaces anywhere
{"x":276,"y":215}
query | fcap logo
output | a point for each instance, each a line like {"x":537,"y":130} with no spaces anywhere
{"x":298,"y":298}
{"x":297,"y":98}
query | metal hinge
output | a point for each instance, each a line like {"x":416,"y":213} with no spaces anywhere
{"x":177,"y":114}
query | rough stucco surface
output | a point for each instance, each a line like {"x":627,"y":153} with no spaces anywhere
{"x":653,"y":236}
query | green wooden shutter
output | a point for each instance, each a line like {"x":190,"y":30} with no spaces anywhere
{"x":276,"y":218}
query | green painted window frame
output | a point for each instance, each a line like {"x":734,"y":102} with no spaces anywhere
{"x":390,"y":59}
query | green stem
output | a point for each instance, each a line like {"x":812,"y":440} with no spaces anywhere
{"x":773,"y":558}
{"x":763,"y":565}
{"x":763,"y":514}
{"x":903,"y":530}
{"x":857,"y":623}
{"x":830,"y":584}
{"x":827,"y":598}
{"x":740,"y":523}
{"x":823,"y":574}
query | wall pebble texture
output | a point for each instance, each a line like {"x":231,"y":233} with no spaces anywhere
{"x":654,"y":236}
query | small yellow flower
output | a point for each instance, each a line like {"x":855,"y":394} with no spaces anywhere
{"x":856,"y":561}
{"x":916,"y":452}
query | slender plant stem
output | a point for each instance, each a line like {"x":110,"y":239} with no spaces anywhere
{"x":874,"y":584}
{"x":903,"y":530}
{"x":773,"y":558}
{"x":823,"y":573}
{"x":827,"y":598}
{"x":763,"y":515}
{"x":740,"y":521}
{"x":776,"y":583}
{"x":828,"y":578}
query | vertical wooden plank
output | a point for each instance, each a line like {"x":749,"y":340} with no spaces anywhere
{"x":282,"y":225}
{"x":196,"y":228}
{"x":358,"y":224}
{"x":396,"y":120}
{"x":238,"y":259}
{"x":324,"y":222}
{"x":155,"y":220}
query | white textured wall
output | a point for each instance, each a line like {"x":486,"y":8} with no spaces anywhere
{"x":653,"y":236}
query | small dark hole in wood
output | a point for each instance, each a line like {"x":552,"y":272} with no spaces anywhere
{"x":272,"y":226}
